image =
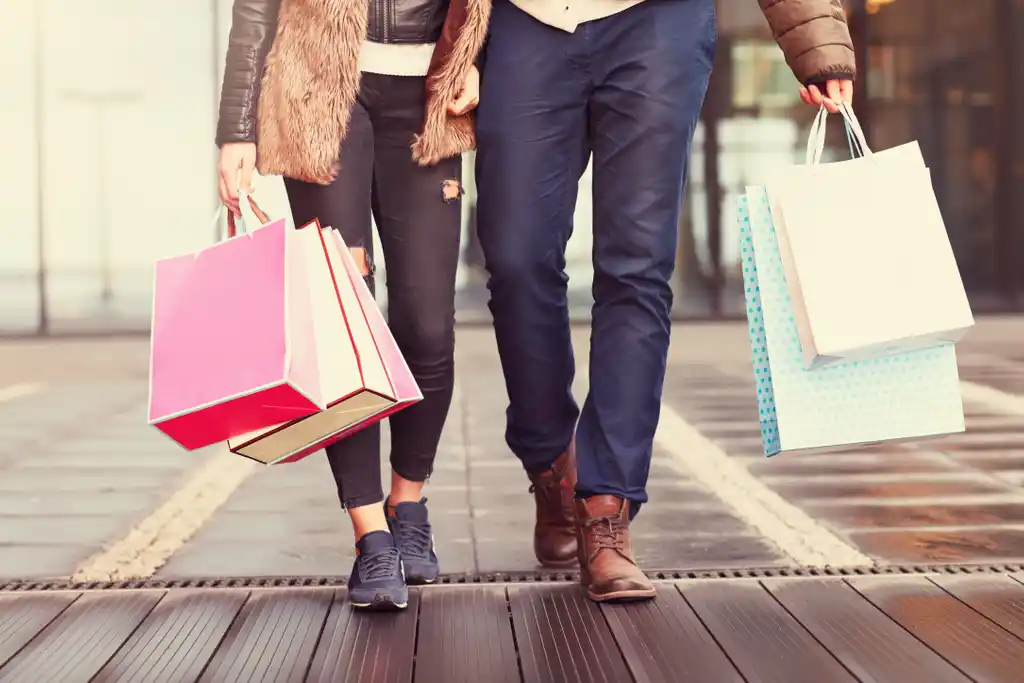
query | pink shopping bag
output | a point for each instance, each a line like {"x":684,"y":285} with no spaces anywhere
{"x":233,"y":346}
{"x":363,"y":374}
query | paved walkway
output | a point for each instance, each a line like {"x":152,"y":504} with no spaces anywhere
{"x":83,"y":477}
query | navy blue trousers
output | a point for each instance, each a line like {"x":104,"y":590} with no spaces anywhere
{"x":628,"y":90}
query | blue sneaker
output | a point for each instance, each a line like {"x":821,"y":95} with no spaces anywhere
{"x":377,"y":580}
{"x":411,"y":528}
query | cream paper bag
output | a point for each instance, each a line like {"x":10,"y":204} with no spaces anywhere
{"x":363,"y":374}
{"x":867,"y":260}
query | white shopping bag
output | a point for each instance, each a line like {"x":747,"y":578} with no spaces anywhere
{"x":905,"y":396}
{"x":868,"y":263}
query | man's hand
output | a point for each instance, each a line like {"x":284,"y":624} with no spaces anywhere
{"x":234,"y":171}
{"x":836,"y":91}
{"x":470,"y":95}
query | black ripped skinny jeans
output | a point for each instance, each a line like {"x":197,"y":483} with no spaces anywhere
{"x":418,"y":218}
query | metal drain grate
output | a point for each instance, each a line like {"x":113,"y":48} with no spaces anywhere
{"x":513,"y":577}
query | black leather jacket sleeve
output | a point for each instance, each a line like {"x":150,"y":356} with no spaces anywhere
{"x":253,"y":27}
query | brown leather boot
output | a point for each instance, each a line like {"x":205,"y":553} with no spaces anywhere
{"x":554,"y":536}
{"x":607,"y":568}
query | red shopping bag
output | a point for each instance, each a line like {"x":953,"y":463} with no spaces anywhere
{"x":233,"y":346}
{"x":362,"y":372}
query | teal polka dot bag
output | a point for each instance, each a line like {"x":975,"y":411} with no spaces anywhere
{"x":908,"y":396}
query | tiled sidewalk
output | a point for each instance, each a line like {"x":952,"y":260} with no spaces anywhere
{"x":79,"y":468}
{"x":286,"y":520}
{"x":953,"y":499}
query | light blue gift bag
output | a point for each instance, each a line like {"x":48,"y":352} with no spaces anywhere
{"x":908,"y":396}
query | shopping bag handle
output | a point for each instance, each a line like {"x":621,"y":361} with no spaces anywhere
{"x":257,"y":218}
{"x":246,"y":200}
{"x":854,"y":134}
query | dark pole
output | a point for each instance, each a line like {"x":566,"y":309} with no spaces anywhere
{"x":932,"y":117}
{"x":1016,"y":113}
{"x":41,"y":278}
{"x":713,"y":195}
{"x":718,"y":94}
{"x":860,"y":31}
{"x":1005,"y":146}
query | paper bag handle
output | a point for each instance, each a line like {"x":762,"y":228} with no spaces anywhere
{"x":854,"y":134}
{"x":249,"y":206}
{"x":257,"y":212}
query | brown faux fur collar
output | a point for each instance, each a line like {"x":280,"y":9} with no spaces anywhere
{"x":312,"y":79}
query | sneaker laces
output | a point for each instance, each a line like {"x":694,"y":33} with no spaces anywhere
{"x":414,"y":538}
{"x":379,"y":565}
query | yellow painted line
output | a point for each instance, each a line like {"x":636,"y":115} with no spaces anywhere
{"x":19,"y":390}
{"x":993,"y":399}
{"x":155,"y":539}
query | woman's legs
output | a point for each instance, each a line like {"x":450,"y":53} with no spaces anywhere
{"x":345,"y":206}
{"x":403,"y":491}
{"x":418,"y":211}
{"x":376,"y":578}
{"x":418,"y":215}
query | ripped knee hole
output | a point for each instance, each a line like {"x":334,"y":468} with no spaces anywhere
{"x":362,"y":260}
{"x":451,"y":190}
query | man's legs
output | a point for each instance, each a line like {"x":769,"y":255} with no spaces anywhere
{"x":651,"y":65}
{"x":531,"y":128}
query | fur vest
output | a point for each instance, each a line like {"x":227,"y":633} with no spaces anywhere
{"x":312,"y":78}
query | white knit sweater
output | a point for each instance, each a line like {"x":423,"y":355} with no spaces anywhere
{"x":396,"y":60}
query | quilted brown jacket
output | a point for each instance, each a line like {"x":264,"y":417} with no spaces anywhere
{"x":814,"y":36}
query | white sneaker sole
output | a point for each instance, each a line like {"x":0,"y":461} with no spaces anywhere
{"x":382,"y":605}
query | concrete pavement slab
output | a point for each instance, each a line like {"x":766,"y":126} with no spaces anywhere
{"x":934,"y":500}
{"x":287,"y":519}
{"x":23,"y":561}
{"x":80,"y":448}
{"x":663,"y":537}
{"x":82,"y":480}
{"x":78,"y":467}
{"x":979,"y":544}
{"x":83,"y":529}
{"x":61,"y":503}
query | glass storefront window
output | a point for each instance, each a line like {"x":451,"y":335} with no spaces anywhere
{"x":946,"y":74}
{"x":930,"y":77}
{"x":761,"y":79}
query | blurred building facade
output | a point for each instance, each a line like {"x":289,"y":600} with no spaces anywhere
{"x":947,"y":74}
{"x":108,"y":114}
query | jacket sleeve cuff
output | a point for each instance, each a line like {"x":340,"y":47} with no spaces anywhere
{"x":825,"y":77}
{"x":228,"y":135}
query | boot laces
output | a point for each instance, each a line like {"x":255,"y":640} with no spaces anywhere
{"x":606,"y":532}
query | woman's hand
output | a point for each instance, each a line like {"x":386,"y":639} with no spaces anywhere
{"x":835,"y":91}
{"x":470,"y":95}
{"x":234,"y":171}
